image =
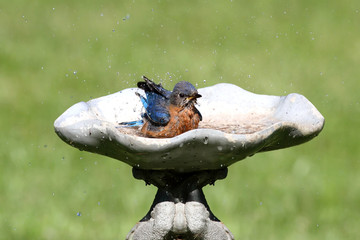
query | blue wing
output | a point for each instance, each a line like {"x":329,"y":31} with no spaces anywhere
{"x":149,"y":86}
{"x":157,"y":109}
{"x":156,"y":102}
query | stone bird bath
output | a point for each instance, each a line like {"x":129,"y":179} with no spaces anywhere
{"x":236,"y":124}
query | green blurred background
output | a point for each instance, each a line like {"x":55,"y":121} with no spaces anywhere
{"x":54,"y":54}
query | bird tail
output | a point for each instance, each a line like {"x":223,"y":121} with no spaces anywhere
{"x":132,"y":123}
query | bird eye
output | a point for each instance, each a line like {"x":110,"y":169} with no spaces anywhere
{"x":181,"y":95}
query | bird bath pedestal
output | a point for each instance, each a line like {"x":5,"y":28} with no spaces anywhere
{"x":236,"y":124}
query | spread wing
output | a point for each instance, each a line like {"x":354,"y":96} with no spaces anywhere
{"x":156,"y":102}
{"x":149,"y":86}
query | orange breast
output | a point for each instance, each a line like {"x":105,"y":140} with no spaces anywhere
{"x":181,"y":120}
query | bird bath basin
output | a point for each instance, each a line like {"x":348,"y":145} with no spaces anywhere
{"x":236,"y":124}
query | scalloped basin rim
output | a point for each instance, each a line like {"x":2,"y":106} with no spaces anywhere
{"x":271,"y":122}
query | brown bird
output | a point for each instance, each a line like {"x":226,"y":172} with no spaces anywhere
{"x":168,"y":114}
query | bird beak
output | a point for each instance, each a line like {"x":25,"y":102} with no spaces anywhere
{"x":195,"y":96}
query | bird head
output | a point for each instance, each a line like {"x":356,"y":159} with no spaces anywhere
{"x":184,"y":94}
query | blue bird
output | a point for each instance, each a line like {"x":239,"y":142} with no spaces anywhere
{"x":167,"y":114}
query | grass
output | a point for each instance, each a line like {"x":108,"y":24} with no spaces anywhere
{"x":56,"y":53}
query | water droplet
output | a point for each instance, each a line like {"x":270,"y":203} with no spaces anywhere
{"x":261,"y":203}
{"x":204,"y":80}
{"x":181,"y":145}
{"x":25,"y":19}
{"x":78,"y":214}
{"x":220,"y":148}
{"x":75,"y":72}
{"x":206,"y":140}
{"x":126,"y":17}
{"x":101,"y":14}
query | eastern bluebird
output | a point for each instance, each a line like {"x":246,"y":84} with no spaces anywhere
{"x":168,"y":114}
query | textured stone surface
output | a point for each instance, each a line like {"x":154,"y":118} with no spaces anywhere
{"x":179,"y":221}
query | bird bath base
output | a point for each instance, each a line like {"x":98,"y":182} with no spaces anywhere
{"x":179,"y":210}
